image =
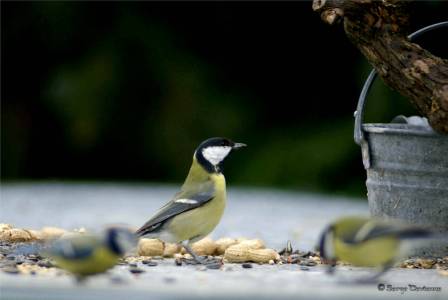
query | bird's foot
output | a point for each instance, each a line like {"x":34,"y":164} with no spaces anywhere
{"x":81,"y":280}
{"x":207,"y":261}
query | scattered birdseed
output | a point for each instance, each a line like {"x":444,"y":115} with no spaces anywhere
{"x":45,"y":264}
{"x":190,"y":261}
{"x":32,"y":258}
{"x":425,"y":263}
{"x":287,"y":250}
{"x":178,"y":262}
{"x":15,"y":258}
{"x":308,"y":263}
{"x":215,"y":266}
{"x":135,"y":270}
{"x":151,"y":263}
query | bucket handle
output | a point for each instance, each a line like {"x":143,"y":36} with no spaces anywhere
{"x":359,"y":113}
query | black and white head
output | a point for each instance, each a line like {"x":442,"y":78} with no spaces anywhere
{"x":120,"y":239}
{"x":326,"y":244}
{"x":211,"y":153}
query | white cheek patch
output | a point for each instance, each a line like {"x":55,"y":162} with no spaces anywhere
{"x":186,"y":201}
{"x":125,"y":241}
{"x":328,"y":245}
{"x":216,"y":154}
{"x":67,"y":249}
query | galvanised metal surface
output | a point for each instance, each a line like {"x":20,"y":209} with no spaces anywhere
{"x":408,"y":178}
{"x":407,"y":169}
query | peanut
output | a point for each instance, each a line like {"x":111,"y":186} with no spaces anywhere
{"x":171,"y":249}
{"x":178,"y":256}
{"x":4,"y":227}
{"x":206,"y":246}
{"x":263,"y":255}
{"x":253,"y":244}
{"x":150,"y":247}
{"x":242,"y":253}
{"x":35,"y":234}
{"x":236,"y":253}
{"x":240,"y":239}
{"x":222,"y":244}
{"x":15,"y":235}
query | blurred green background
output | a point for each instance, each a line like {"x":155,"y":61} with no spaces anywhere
{"x":124,"y":91}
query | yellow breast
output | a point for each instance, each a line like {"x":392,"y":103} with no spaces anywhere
{"x":101,"y":260}
{"x":372,"y":253}
{"x":195,"y":224}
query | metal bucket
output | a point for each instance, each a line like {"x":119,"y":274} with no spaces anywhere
{"x":407,"y":171}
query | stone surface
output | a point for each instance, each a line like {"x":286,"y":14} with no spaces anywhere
{"x":192,"y":282}
{"x":272,"y":216}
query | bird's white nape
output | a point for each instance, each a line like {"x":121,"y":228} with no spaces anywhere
{"x":216,"y":154}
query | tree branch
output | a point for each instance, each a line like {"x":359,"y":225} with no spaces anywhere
{"x":379,"y":29}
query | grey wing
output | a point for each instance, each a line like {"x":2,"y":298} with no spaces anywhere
{"x":182,"y":202}
{"x":77,"y":248}
{"x":376,"y":230}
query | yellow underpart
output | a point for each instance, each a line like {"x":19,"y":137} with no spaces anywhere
{"x":101,"y":260}
{"x":200,"y":221}
{"x":371,"y":253}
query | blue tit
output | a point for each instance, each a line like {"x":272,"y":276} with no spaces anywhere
{"x":87,"y":254}
{"x":199,"y":205}
{"x":368,"y":242}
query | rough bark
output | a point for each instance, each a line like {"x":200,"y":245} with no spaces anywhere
{"x":379,"y":29}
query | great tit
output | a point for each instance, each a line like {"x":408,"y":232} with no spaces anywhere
{"x":368,"y":242}
{"x":87,"y":254}
{"x":197,"y":208}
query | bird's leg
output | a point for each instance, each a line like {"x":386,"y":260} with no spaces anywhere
{"x":331,"y":264}
{"x":81,"y":280}
{"x":210,"y":263}
{"x":190,"y":251}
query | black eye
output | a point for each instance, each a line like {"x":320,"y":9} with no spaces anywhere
{"x":223,"y":143}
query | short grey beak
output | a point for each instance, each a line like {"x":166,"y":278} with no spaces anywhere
{"x":238,"y":145}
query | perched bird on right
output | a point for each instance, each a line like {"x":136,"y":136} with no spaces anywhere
{"x":368,"y":242}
